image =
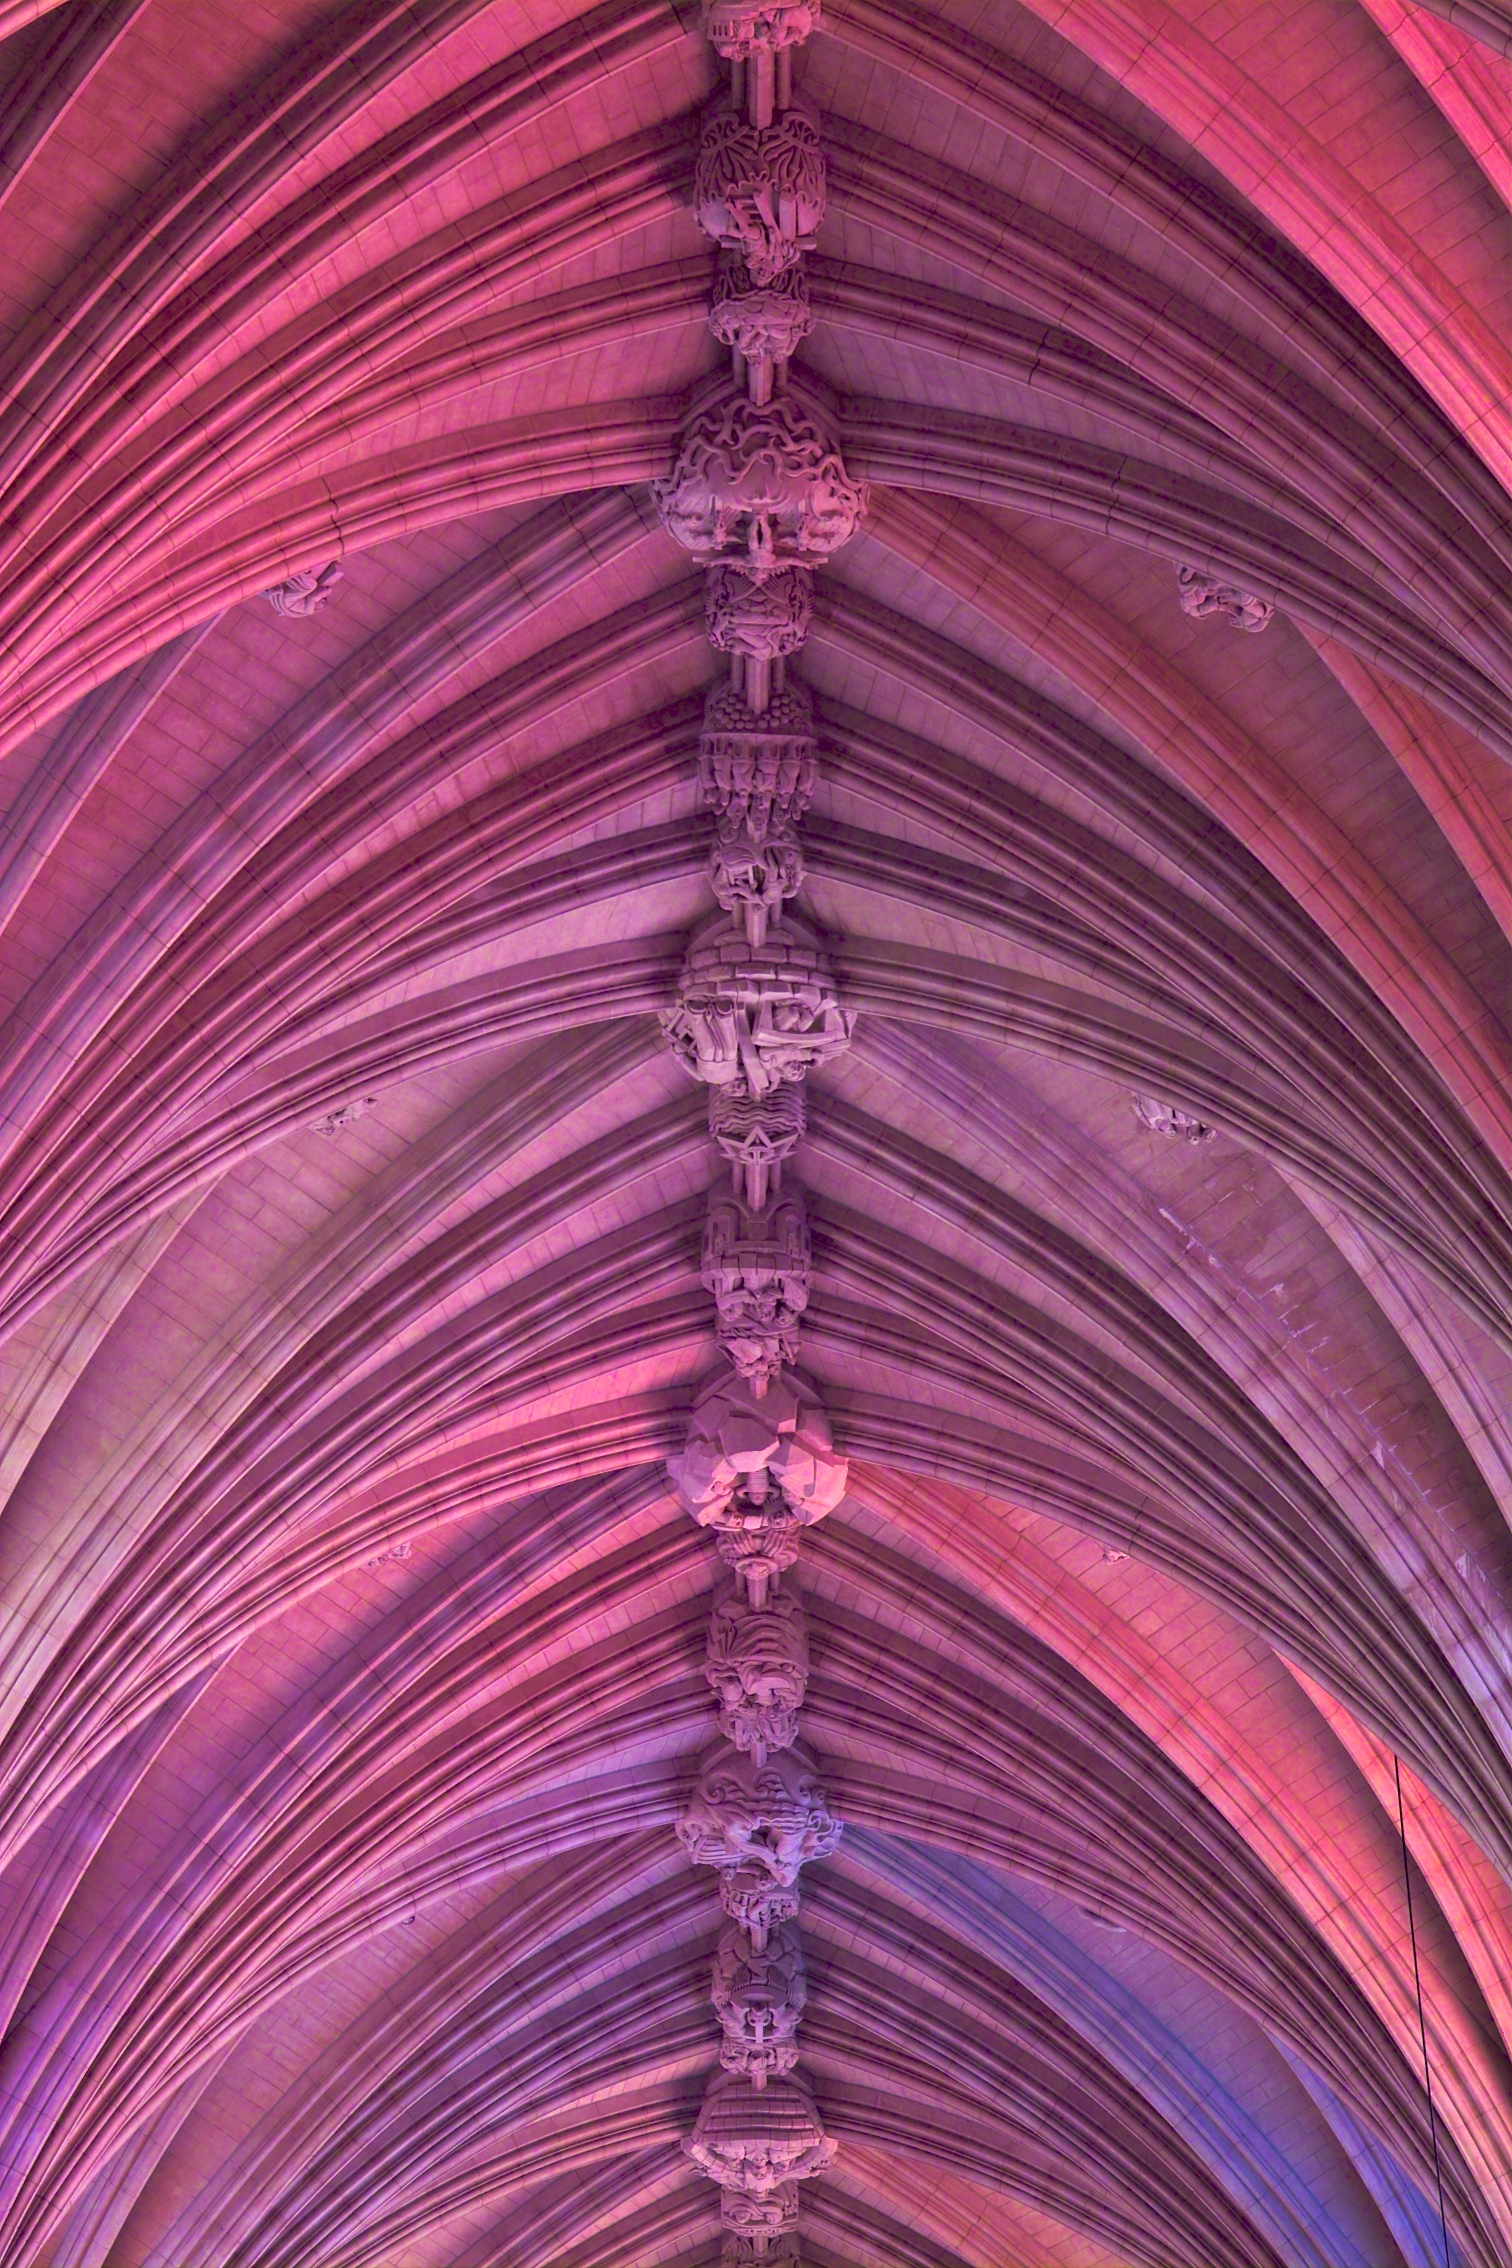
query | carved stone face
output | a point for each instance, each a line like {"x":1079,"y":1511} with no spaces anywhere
{"x":757,"y":1664}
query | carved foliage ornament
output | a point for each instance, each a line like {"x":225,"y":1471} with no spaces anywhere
{"x":738,"y":29}
{"x":759,"y":191}
{"x":771,"y":1814}
{"x":756,"y":2139}
{"x":757,"y":1266}
{"x":761,"y":486}
{"x":1202,"y":593}
{"x":757,"y":1663}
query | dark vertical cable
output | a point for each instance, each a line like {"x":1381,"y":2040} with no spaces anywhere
{"x":1417,"y":1979}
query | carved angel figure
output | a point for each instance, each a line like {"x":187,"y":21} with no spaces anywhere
{"x":759,"y":1997}
{"x":759,"y":484}
{"x":771,"y":1814}
{"x":757,"y":1665}
{"x":756,"y":2139}
{"x":759,"y":190}
{"x":757,"y":1266}
{"x":1202,"y":593}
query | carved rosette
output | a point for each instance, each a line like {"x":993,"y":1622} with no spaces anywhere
{"x":759,"y":191}
{"x":759,"y":1998}
{"x":305,"y":592}
{"x":761,"y":486}
{"x":757,"y":1266}
{"x":739,"y":29}
{"x":1203,"y":594}
{"x":765,"y":323}
{"x":756,"y":2139}
{"x":757,"y":1664}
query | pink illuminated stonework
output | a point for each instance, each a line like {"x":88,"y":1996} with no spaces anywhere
{"x":755,"y":1134}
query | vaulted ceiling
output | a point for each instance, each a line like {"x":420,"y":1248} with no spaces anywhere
{"x":1161,"y":1206}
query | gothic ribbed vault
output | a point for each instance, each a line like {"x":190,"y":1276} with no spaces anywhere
{"x":1161,"y":1207}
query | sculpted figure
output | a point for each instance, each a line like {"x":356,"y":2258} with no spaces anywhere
{"x":756,"y":773}
{"x":760,"y":484}
{"x":757,"y":623}
{"x":757,"y":1664}
{"x":757,"y":2139}
{"x":305,"y":592}
{"x":739,"y":29}
{"x":759,"y":190}
{"x":755,"y":1903}
{"x":771,"y":1814}
{"x":759,"y":1997}
{"x":765,"y":323}
{"x":1165,"y":1118}
{"x":753,"y":878}
{"x":757,"y":1266}
{"x":755,"y":1015}
{"x":1202,"y":593}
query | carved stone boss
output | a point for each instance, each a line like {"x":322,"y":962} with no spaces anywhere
{"x":759,"y":497}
